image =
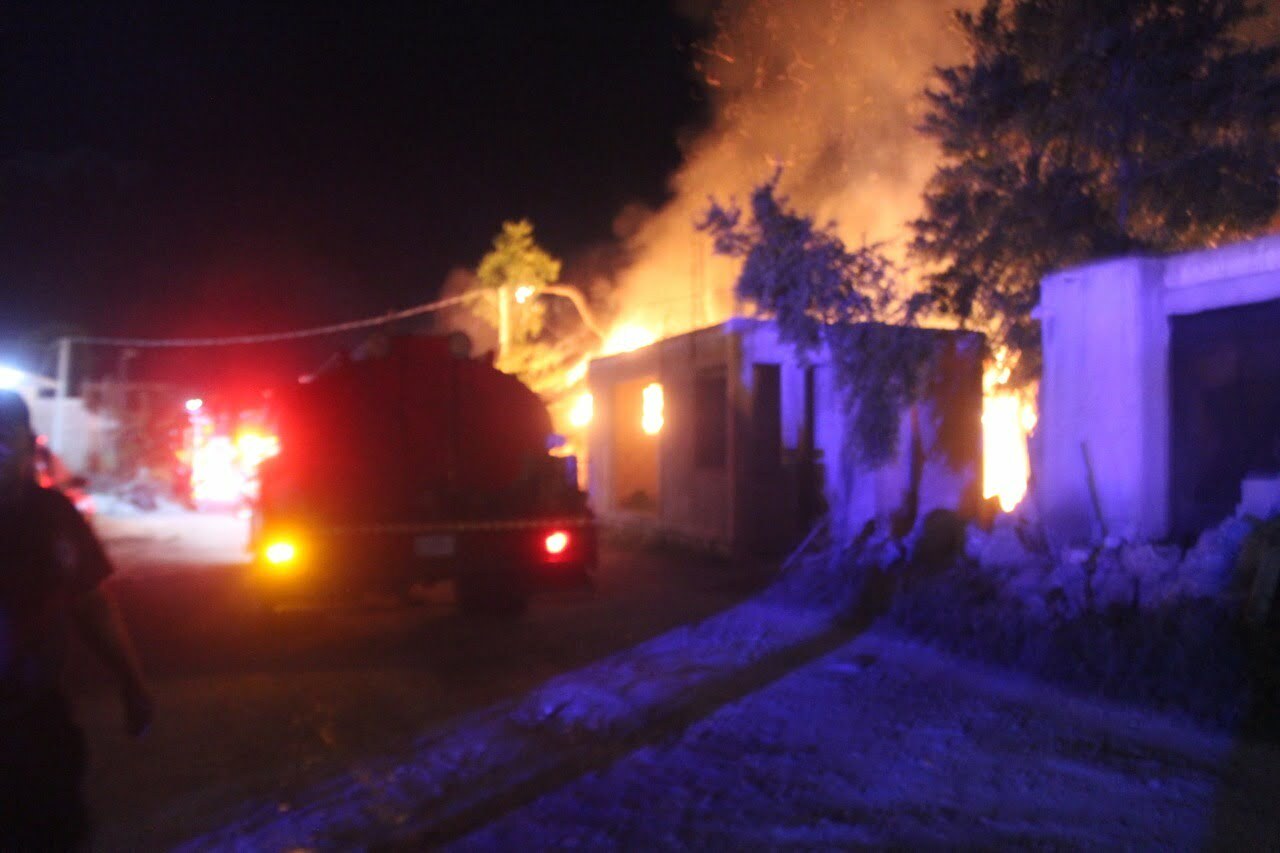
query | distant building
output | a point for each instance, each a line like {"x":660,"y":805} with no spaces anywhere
{"x":1164,"y":374}
{"x":143,"y":415}
{"x":85,"y":434}
{"x":723,"y":439}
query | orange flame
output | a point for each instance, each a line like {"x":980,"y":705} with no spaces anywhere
{"x":1008,"y":417}
{"x":651,"y":419}
{"x":627,"y":337}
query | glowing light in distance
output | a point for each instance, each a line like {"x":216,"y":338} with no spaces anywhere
{"x":254,"y":447}
{"x":10,"y":378}
{"x":556,"y":543}
{"x":524,"y":293}
{"x":583,"y":410}
{"x":651,"y":409}
{"x":627,"y":337}
{"x":215,"y":475}
{"x":279,"y":553}
{"x":194,"y":405}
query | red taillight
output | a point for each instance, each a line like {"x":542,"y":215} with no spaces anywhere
{"x":556,"y":543}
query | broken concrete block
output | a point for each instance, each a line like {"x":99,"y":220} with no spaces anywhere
{"x":975,"y":539}
{"x":1259,"y":496}
{"x":1209,"y":568}
{"x":1066,"y":589}
{"x":1004,"y":550}
{"x":1154,"y":570}
{"x":1114,"y":583}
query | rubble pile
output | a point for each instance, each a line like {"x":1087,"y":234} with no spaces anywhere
{"x":1134,"y":621}
{"x":1134,"y":576}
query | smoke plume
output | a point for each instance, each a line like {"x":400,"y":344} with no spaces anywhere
{"x":827,"y":90}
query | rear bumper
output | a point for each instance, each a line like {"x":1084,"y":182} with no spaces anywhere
{"x":337,"y":559}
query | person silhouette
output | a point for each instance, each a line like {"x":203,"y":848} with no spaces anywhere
{"x":52,"y":569}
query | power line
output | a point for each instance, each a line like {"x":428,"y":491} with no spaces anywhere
{"x":273,"y":337}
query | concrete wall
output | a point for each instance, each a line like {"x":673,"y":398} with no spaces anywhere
{"x":693,"y":504}
{"x":944,"y":429}
{"x":747,"y":505}
{"x":1105,"y":392}
{"x":84,"y":433}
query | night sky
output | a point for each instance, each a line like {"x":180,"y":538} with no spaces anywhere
{"x":247,"y":167}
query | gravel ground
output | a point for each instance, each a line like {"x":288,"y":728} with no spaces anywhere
{"x":885,"y":742}
{"x":651,"y":719}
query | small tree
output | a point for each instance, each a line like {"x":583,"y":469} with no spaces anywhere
{"x":819,"y":292}
{"x":1085,"y":128}
{"x":537,"y":349}
{"x":515,"y":261}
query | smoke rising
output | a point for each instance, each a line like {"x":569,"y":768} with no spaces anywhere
{"x":827,"y":90}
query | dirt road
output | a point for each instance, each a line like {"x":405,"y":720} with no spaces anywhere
{"x":253,"y":710}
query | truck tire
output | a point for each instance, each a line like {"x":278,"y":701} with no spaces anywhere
{"x":491,"y":594}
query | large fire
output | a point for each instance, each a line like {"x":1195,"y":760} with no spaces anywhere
{"x":651,"y":420}
{"x":627,"y":337}
{"x":1008,"y":417}
{"x":224,"y":470}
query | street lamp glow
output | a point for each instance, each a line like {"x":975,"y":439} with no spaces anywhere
{"x":194,"y":405}
{"x":524,"y":293}
{"x":10,"y":377}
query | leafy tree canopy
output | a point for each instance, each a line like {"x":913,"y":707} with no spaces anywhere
{"x":821,"y":293}
{"x":540,"y":352}
{"x":798,"y":273}
{"x":1086,"y":128}
{"x":516,"y":260}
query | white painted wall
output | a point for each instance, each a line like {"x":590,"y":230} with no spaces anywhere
{"x":707,"y":506}
{"x":1106,"y":380}
{"x":83,"y":432}
{"x":855,"y":492}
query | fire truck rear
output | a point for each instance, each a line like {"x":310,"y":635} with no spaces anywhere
{"x":415,"y":463}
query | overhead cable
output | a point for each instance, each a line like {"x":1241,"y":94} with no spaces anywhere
{"x":273,"y":337}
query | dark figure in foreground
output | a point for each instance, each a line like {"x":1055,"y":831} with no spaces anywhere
{"x":51,"y":572}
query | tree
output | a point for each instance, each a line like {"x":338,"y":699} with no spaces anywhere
{"x":1086,"y":128}
{"x":516,"y":261}
{"x":539,"y":345}
{"x":821,"y":293}
{"x":798,"y":273}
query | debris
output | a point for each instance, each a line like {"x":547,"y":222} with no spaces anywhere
{"x":1259,"y":496}
{"x":1209,"y":568}
{"x":1005,"y":550}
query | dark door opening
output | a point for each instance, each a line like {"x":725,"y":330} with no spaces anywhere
{"x":810,"y":502}
{"x":1225,"y":409}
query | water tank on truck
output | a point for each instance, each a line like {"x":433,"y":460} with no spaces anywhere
{"x":414,"y":462}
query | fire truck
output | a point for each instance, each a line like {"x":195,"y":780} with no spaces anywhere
{"x":413,"y":462}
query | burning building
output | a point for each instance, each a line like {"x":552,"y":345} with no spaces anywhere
{"x":724,"y":439}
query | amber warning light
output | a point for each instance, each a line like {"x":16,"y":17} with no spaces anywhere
{"x":279,"y":553}
{"x":556,"y":543}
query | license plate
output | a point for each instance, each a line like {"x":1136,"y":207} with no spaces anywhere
{"x":434,"y":546}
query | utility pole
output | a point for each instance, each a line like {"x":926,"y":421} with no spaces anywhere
{"x":504,"y":323}
{"x":60,"y":394}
